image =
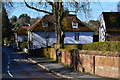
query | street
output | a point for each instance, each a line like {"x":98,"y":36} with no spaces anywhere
{"x":16,"y":66}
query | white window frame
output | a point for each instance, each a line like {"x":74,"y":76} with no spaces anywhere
{"x":45,"y":24}
{"x":75,"y":24}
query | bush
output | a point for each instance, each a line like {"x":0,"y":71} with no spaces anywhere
{"x":57,"y":46}
{"x":7,"y":41}
{"x":72,"y":46}
{"x":23,"y":45}
{"x":103,"y":46}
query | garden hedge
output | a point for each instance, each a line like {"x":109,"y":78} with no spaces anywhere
{"x":103,"y":46}
{"x":72,"y":46}
{"x":99,"y":46}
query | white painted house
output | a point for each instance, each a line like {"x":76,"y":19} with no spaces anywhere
{"x":109,"y":29}
{"x":21,"y":34}
{"x":42,"y":33}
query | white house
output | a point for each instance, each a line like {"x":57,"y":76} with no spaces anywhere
{"x":109,"y":29}
{"x":42,"y":33}
{"x":21,"y":34}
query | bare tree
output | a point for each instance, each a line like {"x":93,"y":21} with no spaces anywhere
{"x":8,"y":6}
{"x":118,"y":6}
{"x":60,"y":9}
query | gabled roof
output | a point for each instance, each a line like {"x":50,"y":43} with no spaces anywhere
{"x":66,"y":24}
{"x":23,"y":30}
{"x":112,"y":21}
{"x":25,"y":27}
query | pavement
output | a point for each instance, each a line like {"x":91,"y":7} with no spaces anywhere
{"x":61,"y":70}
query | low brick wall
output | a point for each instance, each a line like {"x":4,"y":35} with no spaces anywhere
{"x":107,"y":66}
{"x":49,"y":52}
{"x":88,"y":61}
{"x":52,"y":53}
{"x":94,"y":62}
{"x":66,"y":58}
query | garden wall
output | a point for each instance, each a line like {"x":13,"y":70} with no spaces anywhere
{"x":49,"y":52}
{"x":107,"y":66}
{"x":94,"y":62}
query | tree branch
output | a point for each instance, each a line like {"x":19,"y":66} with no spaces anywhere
{"x":48,"y":1}
{"x":82,"y":6}
{"x":36,"y":8}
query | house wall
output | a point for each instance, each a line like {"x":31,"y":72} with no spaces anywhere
{"x":20,"y":38}
{"x":113,"y":36}
{"x":84,"y":38}
{"x":39,"y":38}
{"x":105,"y":35}
{"x":102,"y":30}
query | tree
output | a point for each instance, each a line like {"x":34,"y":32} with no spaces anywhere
{"x":6,"y":26}
{"x":60,"y":9}
{"x":33,"y":20}
{"x":94,"y":25}
{"x":23,"y":20}
{"x":13,"y":19}
{"x":9,"y":6}
{"x":118,"y":6}
{"x":7,"y":32}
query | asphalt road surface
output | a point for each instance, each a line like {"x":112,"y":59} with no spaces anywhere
{"x":16,"y":67}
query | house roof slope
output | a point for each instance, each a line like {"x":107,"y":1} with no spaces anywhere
{"x":66,"y":24}
{"x":112,"y":21}
{"x":23,"y":30}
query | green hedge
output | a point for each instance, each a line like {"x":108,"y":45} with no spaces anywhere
{"x":72,"y":46}
{"x":99,"y":46}
{"x":103,"y":46}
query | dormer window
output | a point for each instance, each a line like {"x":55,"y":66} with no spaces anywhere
{"x":45,"y":24}
{"x":75,"y":24}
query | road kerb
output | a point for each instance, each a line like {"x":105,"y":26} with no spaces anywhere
{"x":56,"y":73}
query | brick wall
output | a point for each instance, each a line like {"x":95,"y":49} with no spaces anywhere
{"x":49,"y":52}
{"x":102,"y":65}
{"x":66,"y":58}
{"x":90,"y":61}
{"x":52,"y":53}
{"x":107,"y":66}
{"x":87,"y":63}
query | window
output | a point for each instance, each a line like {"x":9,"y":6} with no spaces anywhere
{"x":76,"y":36}
{"x":75,"y":24}
{"x":45,"y":24}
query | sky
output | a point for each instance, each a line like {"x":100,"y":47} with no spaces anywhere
{"x":96,"y":9}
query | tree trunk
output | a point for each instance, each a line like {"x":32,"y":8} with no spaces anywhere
{"x":58,"y":11}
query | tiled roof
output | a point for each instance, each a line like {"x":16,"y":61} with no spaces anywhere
{"x":66,"y":24}
{"x":23,"y":30}
{"x":25,"y":27}
{"x":112,"y":21}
